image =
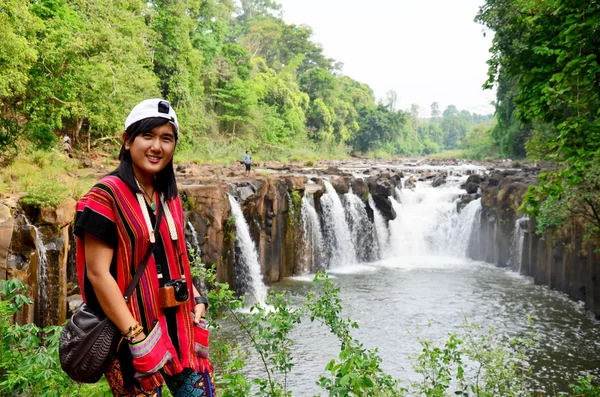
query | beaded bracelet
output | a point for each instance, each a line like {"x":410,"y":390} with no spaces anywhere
{"x":131,"y":329}
{"x":132,"y":332}
{"x":131,"y":338}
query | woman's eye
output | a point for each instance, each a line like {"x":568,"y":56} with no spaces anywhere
{"x":147,"y":135}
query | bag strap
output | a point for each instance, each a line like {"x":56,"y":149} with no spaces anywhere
{"x":142,"y":266}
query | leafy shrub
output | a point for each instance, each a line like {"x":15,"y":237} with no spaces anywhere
{"x":46,"y":193}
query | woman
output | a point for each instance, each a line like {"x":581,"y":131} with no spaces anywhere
{"x":163,"y":326}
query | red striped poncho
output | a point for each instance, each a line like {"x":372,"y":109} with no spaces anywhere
{"x":117,"y":204}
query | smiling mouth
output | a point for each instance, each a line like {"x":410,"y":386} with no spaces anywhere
{"x":153,"y":158}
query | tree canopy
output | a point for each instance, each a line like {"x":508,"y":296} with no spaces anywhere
{"x":231,"y":69}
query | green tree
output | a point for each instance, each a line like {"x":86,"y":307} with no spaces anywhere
{"x":551,"y":48}
{"x":435,"y":111}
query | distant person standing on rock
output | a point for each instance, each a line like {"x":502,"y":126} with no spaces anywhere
{"x":67,"y":146}
{"x":247,"y":162}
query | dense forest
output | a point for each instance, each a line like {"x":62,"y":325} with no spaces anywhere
{"x":544,"y":60}
{"x":237,"y":74}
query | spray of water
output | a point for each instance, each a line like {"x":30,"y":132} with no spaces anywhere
{"x":515,"y":261}
{"x":339,"y":249}
{"x":248,"y":258}
{"x":428,"y":223}
{"x":381,"y":229}
{"x":361,"y":228}
{"x":194,"y":244}
{"x":310,"y":251}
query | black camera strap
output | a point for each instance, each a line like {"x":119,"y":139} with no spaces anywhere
{"x":142,"y":266}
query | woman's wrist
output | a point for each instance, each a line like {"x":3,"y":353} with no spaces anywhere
{"x":138,"y":338}
{"x":201,"y":299}
{"x":132,"y":333}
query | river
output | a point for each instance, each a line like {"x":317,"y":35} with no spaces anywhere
{"x":425,"y":286}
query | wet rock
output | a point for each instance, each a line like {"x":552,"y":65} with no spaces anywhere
{"x":341,"y":184}
{"x":410,"y":183}
{"x":360,"y":188}
{"x":464,"y":200}
{"x":438,"y":180}
{"x":471,"y":187}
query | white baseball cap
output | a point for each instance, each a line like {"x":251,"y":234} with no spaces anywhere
{"x":154,"y":107}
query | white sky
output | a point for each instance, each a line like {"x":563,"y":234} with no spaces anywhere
{"x":425,"y":50}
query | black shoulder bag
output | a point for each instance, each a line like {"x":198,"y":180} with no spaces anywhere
{"x":88,"y":343}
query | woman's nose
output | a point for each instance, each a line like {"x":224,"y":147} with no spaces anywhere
{"x":155,"y":144}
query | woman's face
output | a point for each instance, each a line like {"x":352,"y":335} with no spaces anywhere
{"x":151,"y":151}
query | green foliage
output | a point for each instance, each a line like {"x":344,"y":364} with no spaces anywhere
{"x":552,"y":57}
{"x":296,"y":200}
{"x":48,"y":178}
{"x":29,"y":364}
{"x":480,"y":143}
{"x":564,"y":202}
{"x":468,"y":363}
{"x":233,"y":75}
{"x":45,"y":193}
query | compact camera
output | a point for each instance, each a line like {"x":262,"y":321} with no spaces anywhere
{"x":173,"y":293}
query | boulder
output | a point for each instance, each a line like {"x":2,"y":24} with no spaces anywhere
{"x":360,"y":188}
{"x":438,"y":180}
{"x":471,"y":187}
{"x":341,"y":184}
{"x":410,"y":183}
{"x":61,"y":215}
{"x":463,"y":201}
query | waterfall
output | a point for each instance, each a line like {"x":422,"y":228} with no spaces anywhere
{"x":42,"y":270}
{"x":194,"y":245}
{"x":311,"y":245}
{"x":339,"y":249}
{"x":463,"y":226}
{"x":381,"y":229}
{"x":397,"y":194}
{"x":361,"y":228}
{"x":515,"y":261}
{"x":428,"y":223}
{"x":248,"y":258}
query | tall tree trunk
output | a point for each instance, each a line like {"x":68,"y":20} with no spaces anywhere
{"x":77,"y":129}
{"x":89,"y":137}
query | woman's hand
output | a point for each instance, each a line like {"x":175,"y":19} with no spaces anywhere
{"x":199,"y":312}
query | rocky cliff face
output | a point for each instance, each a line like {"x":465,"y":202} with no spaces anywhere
{"x":36,"y":245}
{"x":558,"y":259}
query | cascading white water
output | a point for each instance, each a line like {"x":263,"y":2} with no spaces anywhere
{"x":381,"y":228}
{"x":194,"y":244}
{"x":248,"y":256}
{"x":42,"y":267}
{"x":428,"y":223}
{"x":398,"y":194}
{"x":311,"y":245}
{"x":515,"y":261}
{"x":361,"y":228}
{"x":339,"y":249}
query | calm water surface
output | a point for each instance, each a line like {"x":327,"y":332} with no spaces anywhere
{"x":397,"y":300}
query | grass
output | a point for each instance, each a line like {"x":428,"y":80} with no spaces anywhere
{"x":47,"y":177}
{"x":228,"y":150}
{"x":450,"y":154}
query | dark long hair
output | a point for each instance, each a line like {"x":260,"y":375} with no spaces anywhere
{"x":164,"y":181}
